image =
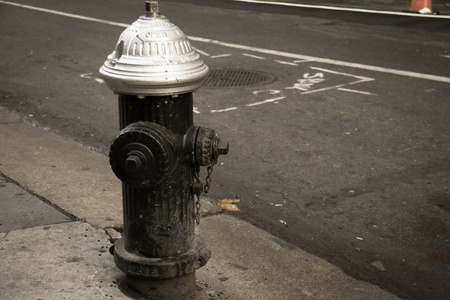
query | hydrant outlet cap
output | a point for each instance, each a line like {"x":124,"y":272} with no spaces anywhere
{"x":153,"y":57}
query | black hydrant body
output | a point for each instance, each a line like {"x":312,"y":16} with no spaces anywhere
{"x":159,"y":208}
{"x":158,"y":154}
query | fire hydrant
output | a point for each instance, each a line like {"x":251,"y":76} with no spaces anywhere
{"x":158,"y":154}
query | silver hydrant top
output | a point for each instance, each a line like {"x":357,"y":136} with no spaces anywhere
{"x":153,"y":57}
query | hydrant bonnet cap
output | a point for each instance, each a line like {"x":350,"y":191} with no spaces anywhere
{"x":153,"y":57}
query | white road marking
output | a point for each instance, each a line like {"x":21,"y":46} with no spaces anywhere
{"x":326,"y":60}
{"x":266,"y":101}
{"x":87,"y":75}
{"x":286,"y":63}
{"x":355,"y":91}
{"x":408,"y":149}
{"x":220,"y":55}
{"x":200,"y":51}
{"x":253,"y":56}
{"x":362,"y":78}
{"x":270,"y":92}
{"x":446,"y":56}
{"x":50,"y":11}
{"x":261,"y":50}
{"x":301,"y":61}
{"x":369,"y":11}
{"x":327,"y":88}
{"x":196,"y":110}
{"x":223,"y":110}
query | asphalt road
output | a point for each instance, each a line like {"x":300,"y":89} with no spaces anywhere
{"x":345,"y":153}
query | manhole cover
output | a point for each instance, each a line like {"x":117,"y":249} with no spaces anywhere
{"x":231,"y":78}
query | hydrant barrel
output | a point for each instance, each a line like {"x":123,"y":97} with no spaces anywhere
{"x":171,"y":209}
{"x":174,"y":113}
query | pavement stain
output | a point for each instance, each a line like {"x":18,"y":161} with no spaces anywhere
{"x":440,"y":200}
{"x":240,"y":267}
{"x":73,"y":259}
{"x":441,"y":256}
{"x":379,"y":265}
{"x":351,"y":192}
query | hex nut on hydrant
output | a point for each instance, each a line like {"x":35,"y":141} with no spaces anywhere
{"x":158,"y":154}
{"x":133,"y":162}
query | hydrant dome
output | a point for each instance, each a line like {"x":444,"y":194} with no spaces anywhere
{"x":153,"y":57}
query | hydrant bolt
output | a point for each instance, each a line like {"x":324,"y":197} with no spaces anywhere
{"x":133,"y":163}
{"x":142,"y":154}
{"x":197,"y":188}
{"x":152,"y":9}
{"x":223,"y":148}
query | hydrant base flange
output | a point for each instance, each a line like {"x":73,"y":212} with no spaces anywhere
{"x":161,"y":267}
{"x":177,"y":288}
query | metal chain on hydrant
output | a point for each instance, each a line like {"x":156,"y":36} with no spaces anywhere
{"x":205,"y":188}
{"x":208,"y":178}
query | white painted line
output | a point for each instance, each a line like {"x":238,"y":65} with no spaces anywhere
{"x":325,"y":60}
{"x":362,"y":78}
{"x":196,"y":110}
{"x":220,"y":55}
{"x":446,"y":56}
{"x":99,"y":80}
{"x":301,"y":60}
{"x":50,"y":11}
{"x":87,"y":75}
{"x":355,"y":91}
{"x":266,"y":101}
{"x":286,"y":63}
{"x":408,"y":149}
{"x":325,"y":89}
{"x":361,"y":10}
{"x":261,"y":50}
{"x":271,"y":92}
{"x":200,"y":51}
{"x":223,"y":110}
{"x":253,"y":56}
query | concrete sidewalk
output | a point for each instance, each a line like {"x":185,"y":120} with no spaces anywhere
{"x":60,"y":209}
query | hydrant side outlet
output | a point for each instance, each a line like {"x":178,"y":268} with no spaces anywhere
{"x":143,"y":154}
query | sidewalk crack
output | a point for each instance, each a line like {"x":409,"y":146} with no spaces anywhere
{"x":6,"y":123}
{"x":3,"y":236}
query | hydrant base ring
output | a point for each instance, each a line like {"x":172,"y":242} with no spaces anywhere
{"x":161,"y":268}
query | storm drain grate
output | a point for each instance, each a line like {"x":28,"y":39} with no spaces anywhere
{"x":233,"y":78}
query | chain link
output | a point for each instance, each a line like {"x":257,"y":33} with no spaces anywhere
{"x":197,"y":196}
{"x":206,"y":186}
{"x":208,"y":178}
{"x":197,"y":208}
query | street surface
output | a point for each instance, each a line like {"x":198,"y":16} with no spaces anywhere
{"x":344,"y":151}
